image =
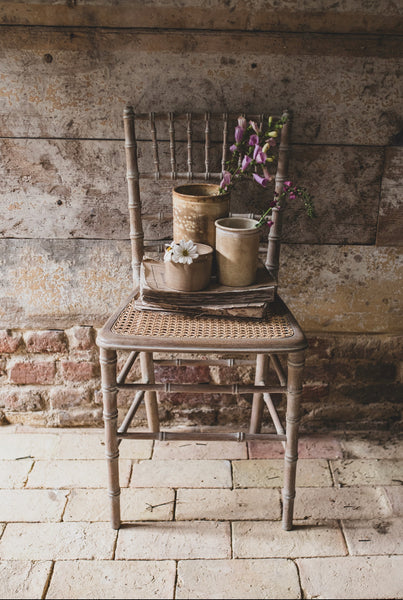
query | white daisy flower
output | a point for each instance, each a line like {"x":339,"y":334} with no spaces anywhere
{"x":169,"y":252}
{"x":184,"y":252}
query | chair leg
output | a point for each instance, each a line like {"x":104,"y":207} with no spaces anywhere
{"x":262,"y":362}
{"x":150,"y":398}
{"x":110,"y":414}
{"x":294,"y":392}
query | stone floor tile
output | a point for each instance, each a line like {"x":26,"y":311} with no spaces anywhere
{"x":266,"y":539}
{"x":14,"y":473}
{"x":106,"y":579}
{"x":32,"y":505}
{"x":270,"y":578}
{"x":74,"y":473}
{"x":378,"y":536}
{"x":92,"y":446}
{"x":313,"y":446}
{"x":199,"y":450}
{"x":57,"y":541}
{"x":23,"y":578}
{"x":34,"y":445}
{"x":395,"y":495}
{"x":175,"y":540}
{"x":341,"y":503}
{"x":381,"y":446}
{"x":182,"y":473}
{"x":367,"y":472}
{"x":258,"y":503}
{"x":136,"y":505}
{"x":355,"y":577}
{"x":269,"y":473}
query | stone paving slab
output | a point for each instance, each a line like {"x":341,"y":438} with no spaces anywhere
{"x":199,"y":450}
{"x":270,"y":578}
{"x":395,"y":495}
{"x":269,"y":473}
{"x":136,"y":505}
{"x":112,"y":579}
{"x":258,"y":503}
{"x":182,"y":473}
{"x":23,"y":578}
{"x":313,"y":446}
{"x":355,"y":577}
{"x":75,"y":473}
{"x":57,"y":541}
{"x":266,"y":539}
{"x":32,"y":505}
{"x":14,"y":473}
{"x":368,"y":472}
{"x":17,"y":445}
{"x":379,"y":536}
{"x":176,"y":540}
{"x":341,"y":503}
{"x":384,"y":447}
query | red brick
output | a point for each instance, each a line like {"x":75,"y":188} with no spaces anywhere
{"x":21,"y":400}
{"x":46,"y":341}
{"x":9,"y":343}
{"x":183,"y":374}
{"x":81,"y":338}
{"x":65,"y":398}
{"x":78,"y":371}
{"x":41,"y":373}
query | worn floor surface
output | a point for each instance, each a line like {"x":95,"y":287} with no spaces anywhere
{"x":203,"y":520}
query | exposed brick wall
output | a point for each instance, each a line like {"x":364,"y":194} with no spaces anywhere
{"x":51,"y":378}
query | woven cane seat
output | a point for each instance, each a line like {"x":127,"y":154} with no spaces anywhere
{"x":180,"y":326}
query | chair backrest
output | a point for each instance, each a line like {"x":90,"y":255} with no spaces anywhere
{"x":166,"y":148}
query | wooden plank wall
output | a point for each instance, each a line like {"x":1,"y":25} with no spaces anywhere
{"x":67,"y":69}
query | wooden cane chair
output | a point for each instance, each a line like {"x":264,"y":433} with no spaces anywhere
{"x":144,"y":333}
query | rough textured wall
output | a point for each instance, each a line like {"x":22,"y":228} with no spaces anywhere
{"x":67,"y":69}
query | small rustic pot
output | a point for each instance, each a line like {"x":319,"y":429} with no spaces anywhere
{"x":193,"y":277}
{"x":237,"y":250}
{"x":196,"y":206}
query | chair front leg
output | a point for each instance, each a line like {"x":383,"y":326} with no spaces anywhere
{"x":110,"y":414}
{"x":296,"y":362}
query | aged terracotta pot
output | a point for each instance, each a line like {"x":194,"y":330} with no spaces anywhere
{"x":237,"y":250}
{"x":193,"y":277}
{"x":196,"y":206}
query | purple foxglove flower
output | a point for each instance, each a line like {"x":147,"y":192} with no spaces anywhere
{"x":254,"y":126}
{"x":246,"y":162}
{"x":226,"y":180}
{"x":253,"y":140}
{"x":292,"y":196}
{"x":242,"y":123}
{"x":269,"y":223}
{"x":287,"y":184}
{"x":260,"y":156}
{"x":239,"y":134}
{"x":263,"y":181}
{"x":233,"y":148}
{"x":267,"y":174}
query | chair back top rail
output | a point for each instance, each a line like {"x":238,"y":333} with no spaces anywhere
{"x":179,"y":131}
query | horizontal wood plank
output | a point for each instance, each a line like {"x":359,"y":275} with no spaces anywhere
{"x":77,"y":189}
{"x":61,"y":283}
{"x":61,"y":83}
{"x":344,"y":16}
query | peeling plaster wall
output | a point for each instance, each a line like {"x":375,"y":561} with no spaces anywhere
{"x":67,"y":69}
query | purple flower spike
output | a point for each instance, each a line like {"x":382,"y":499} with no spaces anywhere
{"x":263,"y":181}
{"x":253,"y":140}
{"x":239,"y":134}
{"x":246,"y":162}
{"x":226,"y":180}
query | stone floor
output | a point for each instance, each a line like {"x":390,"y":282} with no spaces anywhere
{"x":203,"y":520}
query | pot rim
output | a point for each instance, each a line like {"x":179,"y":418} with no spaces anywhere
{"x":188,"y":190}
{"x":250,"y":224}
